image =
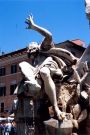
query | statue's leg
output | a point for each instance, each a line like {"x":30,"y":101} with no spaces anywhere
{"x":28,"y":72}
{"x":82,"y":116}
{"x":76,"y":111}
{"x":26,"y":69}
{"x":53,"y":66}
{"x":50,"y":89}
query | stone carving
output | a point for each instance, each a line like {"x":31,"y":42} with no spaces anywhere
{"x":49,"y":65}
{"x":57,"y":73}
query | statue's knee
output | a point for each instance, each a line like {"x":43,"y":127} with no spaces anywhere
{"x":59,"y":72}
{"x":23,"y":64}
{"x":56,"y":73}
{"x":44,"y":72}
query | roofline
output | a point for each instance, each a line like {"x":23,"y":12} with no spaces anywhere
{"x":77,"y":39}
{"x":77,"y":44}
{"x":72,"y":43}
{"x":12,"y":53}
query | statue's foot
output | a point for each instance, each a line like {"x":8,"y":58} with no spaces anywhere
{"x":60,"y":115}
{"x":75,"y":123}
{"x":33,"y":85}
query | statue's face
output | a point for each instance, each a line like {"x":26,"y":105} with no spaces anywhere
{"x":32,"y":49}
{"x":33,"y":46}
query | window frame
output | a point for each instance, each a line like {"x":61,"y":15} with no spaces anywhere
{"x":2,"y":107}
{"x":2,"y":71}
{"x":13,"y":68}
{"x":2,"y":91}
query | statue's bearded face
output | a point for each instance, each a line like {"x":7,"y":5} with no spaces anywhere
{"x":32,"y":49}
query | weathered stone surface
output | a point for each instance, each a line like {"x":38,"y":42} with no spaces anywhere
{"x":68,"y":101}
{"x":55,"y":127}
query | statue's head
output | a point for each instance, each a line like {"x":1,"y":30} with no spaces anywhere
{"x":32,"y":48}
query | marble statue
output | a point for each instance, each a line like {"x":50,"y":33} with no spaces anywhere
{"x":59,"y":74}
{"x":46,"y":66}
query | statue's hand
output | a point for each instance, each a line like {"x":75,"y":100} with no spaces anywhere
{"x":75,"y":123}
{"x":29,"y":21}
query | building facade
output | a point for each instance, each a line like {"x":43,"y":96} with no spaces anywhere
{"x":10,"y":73}
{"x":9,"y":77}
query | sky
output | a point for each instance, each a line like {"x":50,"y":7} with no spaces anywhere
{"x":65,"y":19}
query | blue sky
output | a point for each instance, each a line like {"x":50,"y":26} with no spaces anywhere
{"x":66,"y":20}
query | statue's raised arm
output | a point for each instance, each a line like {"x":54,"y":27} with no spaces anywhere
{"x":47,"y":42}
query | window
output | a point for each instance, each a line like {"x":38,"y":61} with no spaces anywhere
{"x":12,"y":88}
{"x":13,"y":69}
{"x":2,"y":71}
{"x":2,"y":107}
{"x":3,"y":91}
